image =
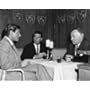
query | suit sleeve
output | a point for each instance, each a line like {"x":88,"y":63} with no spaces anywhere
{"x":24,"y":54}
{"x":87,"y":46}
{"x":27,"y":53}
{"x":44,"y":49}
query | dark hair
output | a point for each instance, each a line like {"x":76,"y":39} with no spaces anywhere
{"x":37,"y":32}
{"x":8,"y":28}
{"x":80,"y":30}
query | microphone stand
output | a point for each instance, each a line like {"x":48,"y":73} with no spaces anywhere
{"x":49,"y":54}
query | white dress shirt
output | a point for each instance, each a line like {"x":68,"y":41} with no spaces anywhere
{"x":37,"y":48}
{"x":76,"y":47}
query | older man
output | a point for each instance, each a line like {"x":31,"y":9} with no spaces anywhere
{"x":79,"y":42}
{"x":10,"y":59}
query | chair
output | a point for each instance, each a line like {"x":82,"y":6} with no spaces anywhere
{"x":84,"y":69}
{"x":84,"y":72}
{"x":58,"y":52}
{"x":3,"y":73}
{"x":19,"y":72}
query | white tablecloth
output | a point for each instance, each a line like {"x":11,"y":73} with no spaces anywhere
{"x":58,"y":71}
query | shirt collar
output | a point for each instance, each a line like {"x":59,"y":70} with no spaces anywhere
{"x":36,"y":44}
{"x":10,"y":41}
{"x":77,"y":45}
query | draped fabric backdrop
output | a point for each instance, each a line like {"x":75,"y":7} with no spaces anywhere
{"x":55,"y":24}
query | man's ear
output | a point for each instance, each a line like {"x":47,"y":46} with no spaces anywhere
{"x":11,"y":32}
{"x":41,"y":39}
{"x":82,"y":35}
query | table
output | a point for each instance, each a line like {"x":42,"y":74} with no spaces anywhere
{"x":58,"y":71}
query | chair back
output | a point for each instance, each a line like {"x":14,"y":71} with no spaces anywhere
{"x":58,"y":52}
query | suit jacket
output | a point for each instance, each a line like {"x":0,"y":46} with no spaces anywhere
{"x":29,"y":51}
{"x":85,"y":45}
{"x":9,"y":57}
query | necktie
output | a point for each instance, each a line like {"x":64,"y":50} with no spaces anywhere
{"x":37,"y":49}
{"x":76,"y":47}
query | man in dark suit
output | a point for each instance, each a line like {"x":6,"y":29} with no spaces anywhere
{"x":36,"y":49}
{"x":78,"y":42}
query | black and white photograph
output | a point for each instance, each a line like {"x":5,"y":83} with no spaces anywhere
{"x":44,"y":44}
{"x":50,"y":44}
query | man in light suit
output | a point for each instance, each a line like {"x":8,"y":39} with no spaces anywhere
{"x":36,"y":49}
{"x":10,"y":59}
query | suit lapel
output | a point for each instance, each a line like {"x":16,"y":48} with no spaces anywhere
{"x":13,"y":49}
{"x":81,"y":47}
{"x":33,"y":48}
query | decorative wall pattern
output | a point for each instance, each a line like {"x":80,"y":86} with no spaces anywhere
{"x":30,"y":19}
{"x":42,"y":20}
{"x":55,"y":24}
{"x":80,"y":15}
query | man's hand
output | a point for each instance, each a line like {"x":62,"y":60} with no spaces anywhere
{"x":68,"y":57}
{"x":25,"y":63}
{"x":40,"y":55}
{"x":82,"y":52}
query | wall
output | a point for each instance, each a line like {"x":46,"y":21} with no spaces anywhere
{"x":56,"y":25}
